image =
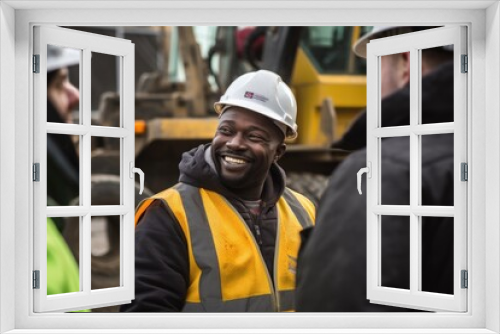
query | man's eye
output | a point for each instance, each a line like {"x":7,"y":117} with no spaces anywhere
{"x":256,"y":137}
{"x":224,"y":131}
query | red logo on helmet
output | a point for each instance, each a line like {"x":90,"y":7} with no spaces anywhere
{"x":253,"y":96}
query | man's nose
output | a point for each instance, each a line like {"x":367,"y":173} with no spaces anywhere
{"x":237,"y":142}
{"x":73,"y":95}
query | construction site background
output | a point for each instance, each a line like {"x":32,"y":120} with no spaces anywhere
{"x":179,"y":73}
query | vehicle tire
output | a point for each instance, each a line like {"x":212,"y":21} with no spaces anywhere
{"x":105,"y":263}
{"x":310,"y":185}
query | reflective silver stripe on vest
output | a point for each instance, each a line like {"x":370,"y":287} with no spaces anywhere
{"x":203,"y":245}
{"x":297,"y":208}
{"x":287,"y":300}
{"x":251,"y":304}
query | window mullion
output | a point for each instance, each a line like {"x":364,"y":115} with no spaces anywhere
{"x":406,"y":210}
{"x":420,"y":129}
{"x":415,"y":250}
{"x":108,"y":131}
{"x":82,"y":148}
{"x":80,"y":211}
{"x":85,"y":96}
{"x":85,"y":258}
{"x":66,"y":129}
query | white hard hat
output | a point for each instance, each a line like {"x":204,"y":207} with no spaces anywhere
{"x":385,"y":31}
{"x":265,"y":93}
{"x":359,"y":47}
{"x":59,"y":57}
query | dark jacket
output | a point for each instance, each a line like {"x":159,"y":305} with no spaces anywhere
{"x":62,"y":164}
{"x":331,"y":274}
{"x":161,"y":254}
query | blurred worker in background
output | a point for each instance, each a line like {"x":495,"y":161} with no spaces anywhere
{"x":332,"y":263}
{"x":62,"y":169}
{"x":62,"y":98}
{"x":225,"y":239}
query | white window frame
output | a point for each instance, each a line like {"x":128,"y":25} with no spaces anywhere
{"x":483,"y":21}
{"x":124,"y":50}
{"x":414,"y":297}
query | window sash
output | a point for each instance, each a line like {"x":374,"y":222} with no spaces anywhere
{"x":87,"y":43}
{"x":413,"y":298}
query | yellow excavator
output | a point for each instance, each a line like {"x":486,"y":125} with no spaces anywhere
{"x":172,"y":116}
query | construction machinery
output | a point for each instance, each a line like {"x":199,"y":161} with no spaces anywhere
{"x":174,"y":110}
{"x":171,"y":117}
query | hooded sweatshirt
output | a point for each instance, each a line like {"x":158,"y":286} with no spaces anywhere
{"x":161,"y":258}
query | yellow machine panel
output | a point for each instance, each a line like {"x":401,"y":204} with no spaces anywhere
{"x":347,"y":92}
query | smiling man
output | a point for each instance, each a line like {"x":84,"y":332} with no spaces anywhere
{"x":226,"y":237}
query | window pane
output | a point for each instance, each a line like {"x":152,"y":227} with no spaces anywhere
{"x":63,"y":176}
{"x":395,"y":169}
{"x":395,"y":242}
{"x":63,"y":82}
{"x":395,"y":94}
{"x":105,"y":251}
{"x":437,"y":169}
{"x":105,"y":95}
{"x":437,"y":71}
{"x":437,"y":254}
{"x":106,"y":187}
{"x":63,"y":275}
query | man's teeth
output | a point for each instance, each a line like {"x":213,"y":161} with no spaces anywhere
{"x":234,"y":160}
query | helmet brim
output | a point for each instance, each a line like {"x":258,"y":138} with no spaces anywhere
{"x":291,"y":133}
{"x":359,"y":47}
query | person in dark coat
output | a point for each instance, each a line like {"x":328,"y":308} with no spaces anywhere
{"x":331,"y":273}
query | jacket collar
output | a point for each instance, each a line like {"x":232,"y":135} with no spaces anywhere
{"x":197,"y":169}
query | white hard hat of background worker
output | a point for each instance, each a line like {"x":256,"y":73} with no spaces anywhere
{"x":395,"y":68}
{"x":59,"y":57}
{"x":263,"y":92}
{"x":359,"y":47}
{"x":61,"y":93}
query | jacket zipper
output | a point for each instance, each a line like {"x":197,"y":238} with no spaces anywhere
{"x":269,"y":279}
{"x":272,"y":281}
{"x":256,"y":226}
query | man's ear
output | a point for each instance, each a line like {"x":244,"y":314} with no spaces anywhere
{"x":405,"y":74}
{"x":280,"y":151}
